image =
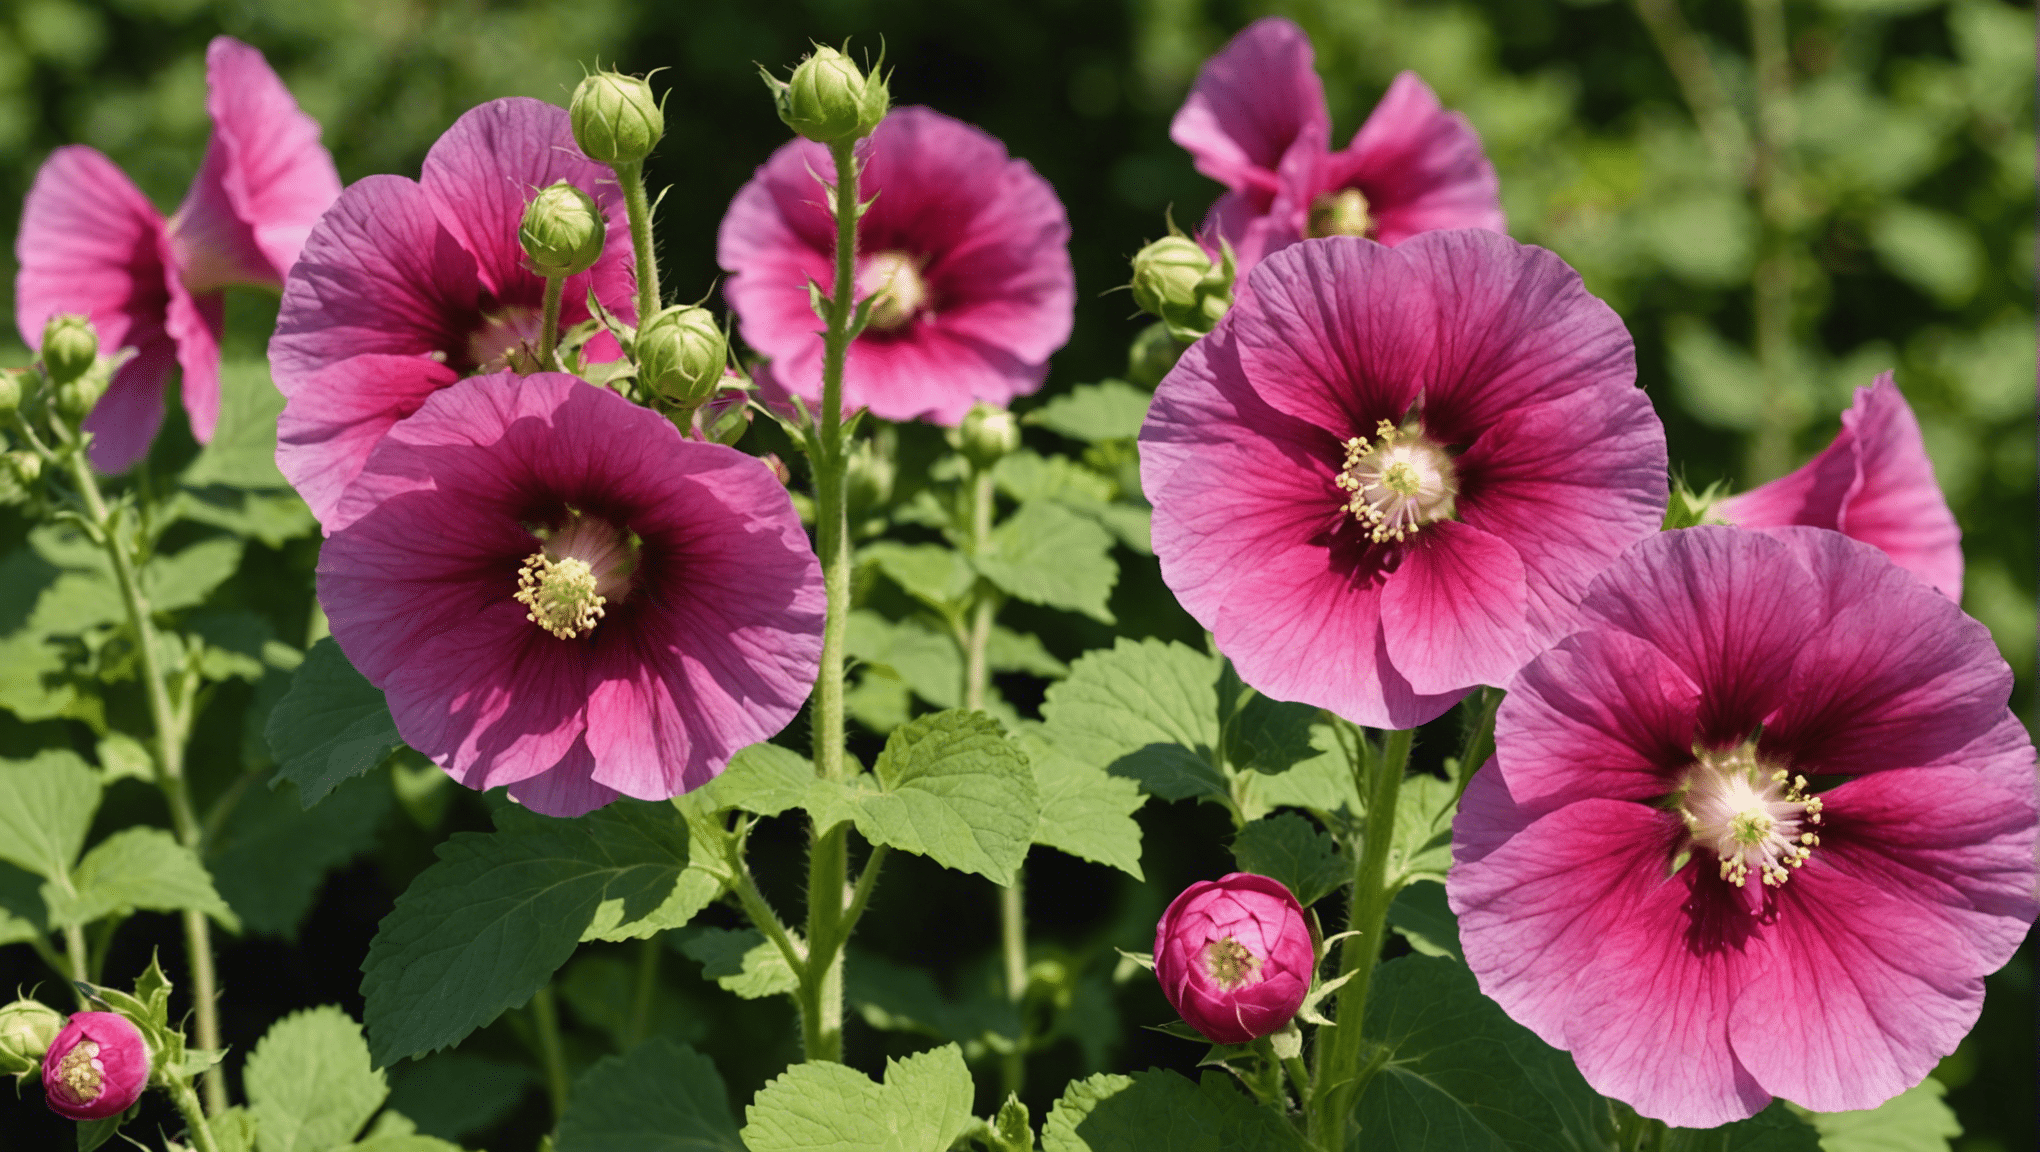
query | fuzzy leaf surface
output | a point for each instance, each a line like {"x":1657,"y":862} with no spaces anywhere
{"x":310,"y":1085}
{"x":923,"y":1106}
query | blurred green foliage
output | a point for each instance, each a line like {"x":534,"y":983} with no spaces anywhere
{"x":1904,"y":217}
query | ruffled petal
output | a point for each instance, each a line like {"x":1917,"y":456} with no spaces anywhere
{"x":1602,"y":714}
{"x":1206,"y":399}
{"x":90,"y":245}
{"x":1259,"y":97}
{"x":195,"y":324}
{"x":1452,"y":613}
{"x":1420,"y":167}
{"x":1488,"y":815}
{"x":566,"y":789}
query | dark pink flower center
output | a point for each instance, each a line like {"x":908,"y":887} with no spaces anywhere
{"x":1340,"y":213}
{"x":586,"y":565}
{"x":1398,"y":482}
{"x":1754,"y":817}
{"x":1230,"y":964}
{"x":80,"y":1075}
{"x":492,"y":346}
{"x":898,"y":291}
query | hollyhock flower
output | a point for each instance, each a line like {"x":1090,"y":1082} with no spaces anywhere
{"x":1255,"y":121}
{"x":1390,"y":473}
{"x":1873,"y":484}
{"x":96,"y":1067}
{"x":966,"y":250}
{"x":1234,"y":957}
{"x":407,"y":286}
{"x":559,"y":593}
{"x":1758,"y":829}
{"x":91,"y":244}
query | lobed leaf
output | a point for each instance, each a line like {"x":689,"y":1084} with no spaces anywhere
{"x":309,"y":1081}
{"x":1046,"y":554}
{"x":46,"y":807}
{"x":331,"y":726}
{"x":1160,"y":1111}
{"x":662,"y":1097}
{"x":923,"y":1106}
{"x":1289,"y":848}
{"x":1144,"y":709}
{"x":137,"y":868}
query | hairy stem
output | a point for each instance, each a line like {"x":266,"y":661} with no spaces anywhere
{"x":545,"y":1021}
{"x":196,"y":1128}
{"x":631,"y":178}
{"x":1771,"y":292}
{"x":549,"y":324}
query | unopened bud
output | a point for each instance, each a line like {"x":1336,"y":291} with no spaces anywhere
{"x":69,"y":347}
{"x":1151,"y":356}
{"x":869,"y":476}
{"x":75,"y":398}
{"x":830,"y":99}
{"x":96,"y":1067}
{"x":26,"y":467}
{"x":26,"y":1029}
{"x":681,"y":354}
{"x":988,"y":434}
{"x":1176,"y":281}
{"x":563,"y":231}
{"x":10,"y":390}
{"x":616,"y":120}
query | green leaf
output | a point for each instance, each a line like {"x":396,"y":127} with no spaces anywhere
{"x":1159,"y":1111}
{"x":1291,"y":849}
{"x":923,"y":1106}
{"x":1915,"y":1120}
{"x":186,"y":579}
{"x":453,"y":1093}
{"x":952,"y":788}
{"x":93,"y":1133}
{"x":137,"y":868}
{"x":486,"y":926}
{"x":233,"y":1130}
{"x":1420,"y":913}
{"x":763,"y":778}
{"x":926,"y":659}
{"x":663,"y":1097}
{"x":1107,"y":410}
{"x":274,"y":853}
{"x":333,"y":725}
{"x":1423,"y":828}
{"x":742,"y":961}
{"x":937,"y":576}
{"x":1085,"y":810}
{"x":46,"y":807}
{"x":898,"y":998}
{"x":1010,"y":651}
{"x":1936,"y":252}
{"x":1046,"y":554}
{"x":601,"y":989}
{"x":1143,"y":709}
{"x":310,"y":1085}
{"x":1461,"y":1075}
{"x":1271,"y":736}
{"x":1027,"y":475}
{"x":242,"y":453}
{"x":1775,"y":1129}
{"x":1323,"y":783}
{"x":403,"y":1142}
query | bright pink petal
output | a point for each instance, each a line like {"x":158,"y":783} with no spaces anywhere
{"x":1452,"y":613}
{"x":1488,"y":816}
{"x":125,"y":421}
{"x":264,"y":182}
{"x":335,"y":418}
{"x":195,"y":323}
{"x":1420,"y":167}
{"x":89,"y":245}
{"x":1252,"y":102}
{"x":1601,"y":714}
{"x":566,"y":789}
{"x":1206,"y":398}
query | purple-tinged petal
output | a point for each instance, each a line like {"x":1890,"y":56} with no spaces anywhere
{"x":195,"y":324}
{"x":1253,"y":102}
{"x":566,"y":789}
{"x":90,"y":244}
{"x":125,"y":421}
{"x":1452,"y":613}
{"x":1207,"y":399}
{"x":1420,"y":167}
{"x":334,"y":420}
{"x":1602,"y":714}
{"x":1488,"y":816}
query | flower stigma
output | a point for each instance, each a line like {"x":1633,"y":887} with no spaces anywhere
{"x":1341,"y":213}
{"x":1398,"y":482}
{"x":1754,"y":817}
{"x":584,"y":567}
{"x":80,"y":1075}
{"x":1230,"y":964}
{"x":893,"y":280}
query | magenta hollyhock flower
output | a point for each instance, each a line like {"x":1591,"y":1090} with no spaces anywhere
{"x":96,"y":1067}
{"x":560,"y":593}
{"x":92,"y":245}
{"x":407,"y":286}
{"x":965,"y":248}
{"x":1873,"y":484}
{"x":1234,"y":957}
{"x":1759,"y":828}
{"x":1255,"y":121}
{"x":1390,"y":473}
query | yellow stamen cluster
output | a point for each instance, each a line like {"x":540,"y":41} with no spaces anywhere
{"x":1751,"y":815}
{"x":1230,"y":963}
{"x":1387,"y":482}
{"x":561,"y":595}
{"x":78,"y":1073}
{"x":1341,"y":213}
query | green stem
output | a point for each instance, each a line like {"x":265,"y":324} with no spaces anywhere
{"x":1771,"y":289}
{"x":828,"y":854}
{"x":76,"y":954}
{"x":170,"y":724}
{"x":647,"y":990}
{"x":1698,"y":82}
{"x":1299,"y":1078}
{"x":196,"y":1127}
{"x":631,"y":178}
{"x":545,"y":1021}
{"x":1339,"y":1054}
{"x":549,"y":323}
{"x":1480,"y":737}
{"x":1013,"y":952}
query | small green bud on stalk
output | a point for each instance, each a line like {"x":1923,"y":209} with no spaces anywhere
{"x":26,"y":467}
{"x":616,"y":120}
{"x":869,"y":476}
{"x":75,"y":398}
{"x":1151,"y":356}
{"x":10,"y":390}
{"x":1176,"y":281}
{"x":831,"y":100}
{"x":563,"y":231}
{"x":26,"y":1029}
{"x":988,"y":434}
{"x":681,"y":354}
{"x":70,"y":347}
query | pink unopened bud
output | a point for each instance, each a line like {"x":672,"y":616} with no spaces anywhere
{"x":96,"y":1067}
{"x":1235,"y":957}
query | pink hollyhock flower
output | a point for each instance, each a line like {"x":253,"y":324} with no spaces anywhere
{"x":96,"y":1067}
{"x":1390,"y":473}
{"x":1234,"y":957}
{"x":1758,"y":829}
{"x":407,"y":286}
{"x":1873,"y":484}
{"x":1255,"y":121}
{"x":91,"y":244}
{"x":966,"y":249}
{"x":561,"y":594}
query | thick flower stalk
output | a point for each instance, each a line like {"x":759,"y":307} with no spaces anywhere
{"x":963,"y":252}
{"x":1389,"y":474}
{"x":560,"y":593}
{"x":91,"y":244}
{"x":1759,"y":828}
{"x":1255,"y":121}
{"x":1234,"y":957}
{"x":96,"y":1067}
{"x":1873,"y":484}
{"x":407,"y":286}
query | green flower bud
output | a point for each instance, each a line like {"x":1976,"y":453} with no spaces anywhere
{"x":1177,"y":282}
{"x":26,"y":467}
{"x":681,"y":355}
{"x":563,"y":231}
{"x":27,"y":1027}
{"x":10,"y":390}
{"x":75,"y":398}
{"x":1153,"y":353}
{"x":70,"y":347}
{"x":830,"y":99}
{"x":988,"y":434}
{"x":616,"y":120}
{"x":869,"y":475}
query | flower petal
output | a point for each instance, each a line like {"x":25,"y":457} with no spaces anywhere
{"x":566,"y":789}
{"x":1256,"y":99}
{"x":334,"y":419}
{"x":1452,"y":614}
{"x":1420,"y":166}
{"x":1601,"y":714}
{"x":89,"y":245}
